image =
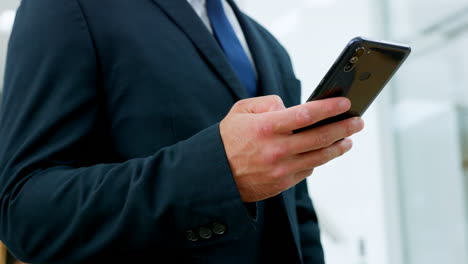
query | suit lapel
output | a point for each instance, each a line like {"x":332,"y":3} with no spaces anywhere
{"x":185,"y":17}
{"x":268,"y":84}
{"x":267,"y":76}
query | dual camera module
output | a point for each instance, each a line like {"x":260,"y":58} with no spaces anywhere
{"x":355,"y":59}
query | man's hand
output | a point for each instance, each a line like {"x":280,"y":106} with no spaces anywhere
{"x":266,"y":158}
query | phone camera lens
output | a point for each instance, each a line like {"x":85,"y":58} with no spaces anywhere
{"x":355,"y":59}
{"x":360,"y":51}
{"x":349,"y":67}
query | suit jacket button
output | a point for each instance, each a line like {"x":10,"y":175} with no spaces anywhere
{"x":191,"y":235}
{"x":205,"y":233}
{"x":218,"y":228}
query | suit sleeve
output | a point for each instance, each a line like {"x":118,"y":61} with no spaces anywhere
{"x":56,"y":205}
{"x":312,"y":251}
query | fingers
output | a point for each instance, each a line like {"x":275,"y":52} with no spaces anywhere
{"x":316,"y":158}
{"x":303,"y":174}
{"x":300,"y":116}
{"x":259,"y":105}
{"x":323,"y":136}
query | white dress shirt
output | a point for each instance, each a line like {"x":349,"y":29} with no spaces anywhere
{"x":200,"y":8}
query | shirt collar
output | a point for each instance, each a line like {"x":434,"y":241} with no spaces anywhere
{"x":199,"y":1}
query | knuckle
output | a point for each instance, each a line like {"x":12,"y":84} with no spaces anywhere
{"x":303,"y":116}
{"x":327,"y":154}
{"x":264,"y":128}
{"x":275,"y":154}
{"x":279,"y":174}
{"x":281,"y":180}
{"x":349,"y":128}
{"x":275,"y":99}
{"x":278,"y":101}
{"x":342,"y":149}
{"x":240,"y":104}
{"x":330,"y":153}
{"x":329,"y":109}
{"x":305,"y":174}
{"x":327,"y":139}
{"x":323,"y":140}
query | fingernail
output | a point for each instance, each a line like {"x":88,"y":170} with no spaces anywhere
{"x":344,"y":104}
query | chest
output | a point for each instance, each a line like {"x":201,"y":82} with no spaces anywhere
{"x":161,"y":85}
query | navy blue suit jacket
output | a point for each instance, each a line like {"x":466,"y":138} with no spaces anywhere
{"x":110,"y":146}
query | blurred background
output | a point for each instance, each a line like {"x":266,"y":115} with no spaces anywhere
{"x":401,"y":195}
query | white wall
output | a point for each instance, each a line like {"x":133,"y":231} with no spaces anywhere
{"x":349,"y":192}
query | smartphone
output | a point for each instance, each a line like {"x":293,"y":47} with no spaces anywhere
{"x":361,"y":71}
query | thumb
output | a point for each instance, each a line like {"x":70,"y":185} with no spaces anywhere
{"x":260,"y":104}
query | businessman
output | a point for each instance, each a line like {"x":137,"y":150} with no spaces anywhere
{"x":160,"y":130}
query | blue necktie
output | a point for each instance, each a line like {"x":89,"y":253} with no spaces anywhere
{"x":235,"y":53}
